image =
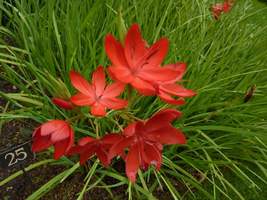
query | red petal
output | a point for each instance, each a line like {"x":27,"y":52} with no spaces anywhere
{"x":134,"y":45}
{"x":180,"y":137}
{"x":81,"y":99}
{"x":81,"y":84}
{"x":115,"y":52}
{"x":168,"y":99}
{"x":156,"y":53}
{"x":75,"y":150}
{"x":36,"y":131}
{"x":143,"y":87}
{"x":98,"y":109}
{"x":119,"y":147}
{"x":152,"y":155}
{"x":217,"y":7}
{"x":113,"y":90}
{"x":70,"y":140}
{"x":52,"y":126}
{"x":226,"y":7}
{"x":62,"y":103}
{"x":167,"y":135}
{"x":130,"y":129}
{"x":158,"y":74}
{"x":114,"y":103}
{"x":121,"y":74}
{"x":99,"y":80}
{"x":60,"y":148}
{"x":132,"y":162}
{"x":85,"y":140}
{"x":40,"y":142}
{"x":102,"y":156}
{"x":158,"y":146}
{"x":60,"y":134}
{"x":217,"y":10}
{"x":161,"y":119}
{"x":179,"y":67}
{"x":87,"y":153}
{"x":111,"y":138}
{"x":177,"y":90}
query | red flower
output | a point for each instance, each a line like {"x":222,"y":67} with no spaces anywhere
{"x":55,"y":132}
{"x":63,"y":103}
{"x":137,"y":64}
{"x":227,"y":5}
{"x":88,"y":146}
{"x":219,"y":8}
{"x":167,"y":88}
{"x":97,"y":95}
{"x":144,"y":141}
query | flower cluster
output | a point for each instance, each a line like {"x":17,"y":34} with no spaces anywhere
{"x":140,"y":144}
{"x":219,"y":8}
{"x":137,"y":64}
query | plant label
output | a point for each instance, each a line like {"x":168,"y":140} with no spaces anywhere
{"x":16,"y":155}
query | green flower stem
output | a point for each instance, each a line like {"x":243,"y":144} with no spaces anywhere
{"x":142,"y":180}
{"x":79,"y":116}
{"x":96,"y":129}
{"x":130,"y":191}
{"x":121,"y":26}
{"x":150,"y":197}
{"x":130,"y":95}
